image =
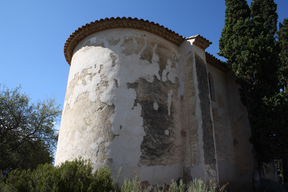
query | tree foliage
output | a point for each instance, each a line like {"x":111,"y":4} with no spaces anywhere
{"x":283,"y":43}
{"x":233,"y":35}
{"x":283,"y":77}
{"x":69,"y":176}
{"x":263,"y":94}
{"x":248,"y":42}
{"x":27,"y":134}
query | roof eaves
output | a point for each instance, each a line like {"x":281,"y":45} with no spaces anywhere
{"x":216,"y":63}
{"x":200,"y":41}
{"x":111,"y":23}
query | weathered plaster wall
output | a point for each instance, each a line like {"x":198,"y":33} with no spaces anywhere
{"x":221,"y":120}
{"x":199,"y":155}
{"x":193,"y":161}
{"x":122,"y":107}
{"x":235,"y":163}
{"x":241,"y":133}
{"x":206,"y":119}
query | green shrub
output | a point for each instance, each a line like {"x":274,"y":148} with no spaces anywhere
{"x":69,"y":176}
{"x":267,"y":185}
{"x":197,"y":185}
{"x":117,"y":187}
{"x":102,"y":180}
{"x":131,"y":185}
{"x":77,"y":176}
{"x":177,"y":188}
{"x":17,"y":181}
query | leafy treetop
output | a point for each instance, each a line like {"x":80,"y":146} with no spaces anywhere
{"x":27,"y":134}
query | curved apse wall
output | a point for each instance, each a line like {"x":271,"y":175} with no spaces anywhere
{"x":122,"y":105}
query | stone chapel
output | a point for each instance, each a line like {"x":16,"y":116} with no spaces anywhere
{"x":141,"y":97}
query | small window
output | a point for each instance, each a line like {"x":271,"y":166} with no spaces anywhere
{"x":211,"y":87}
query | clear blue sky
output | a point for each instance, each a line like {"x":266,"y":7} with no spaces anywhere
{"x":33,"y":33}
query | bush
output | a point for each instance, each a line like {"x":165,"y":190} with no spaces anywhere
{"x":131,"y":185}
{"x":197,"y":185}
{"x":178,"y":188}
{"x":77,"y":176}
{"x":69,"y":176}
{"x":267,"y":185}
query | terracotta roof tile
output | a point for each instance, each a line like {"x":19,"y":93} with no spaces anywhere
{"x":111,"y":23}
{"x":216,"y":63}
{"x":200,"y":41}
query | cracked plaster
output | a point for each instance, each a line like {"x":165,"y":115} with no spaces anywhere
{"x":138,"y":101}
{"x":101,"y":68}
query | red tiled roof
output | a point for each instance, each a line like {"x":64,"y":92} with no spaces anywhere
{"x":111,"y":23}
{"x":216,"y":63}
